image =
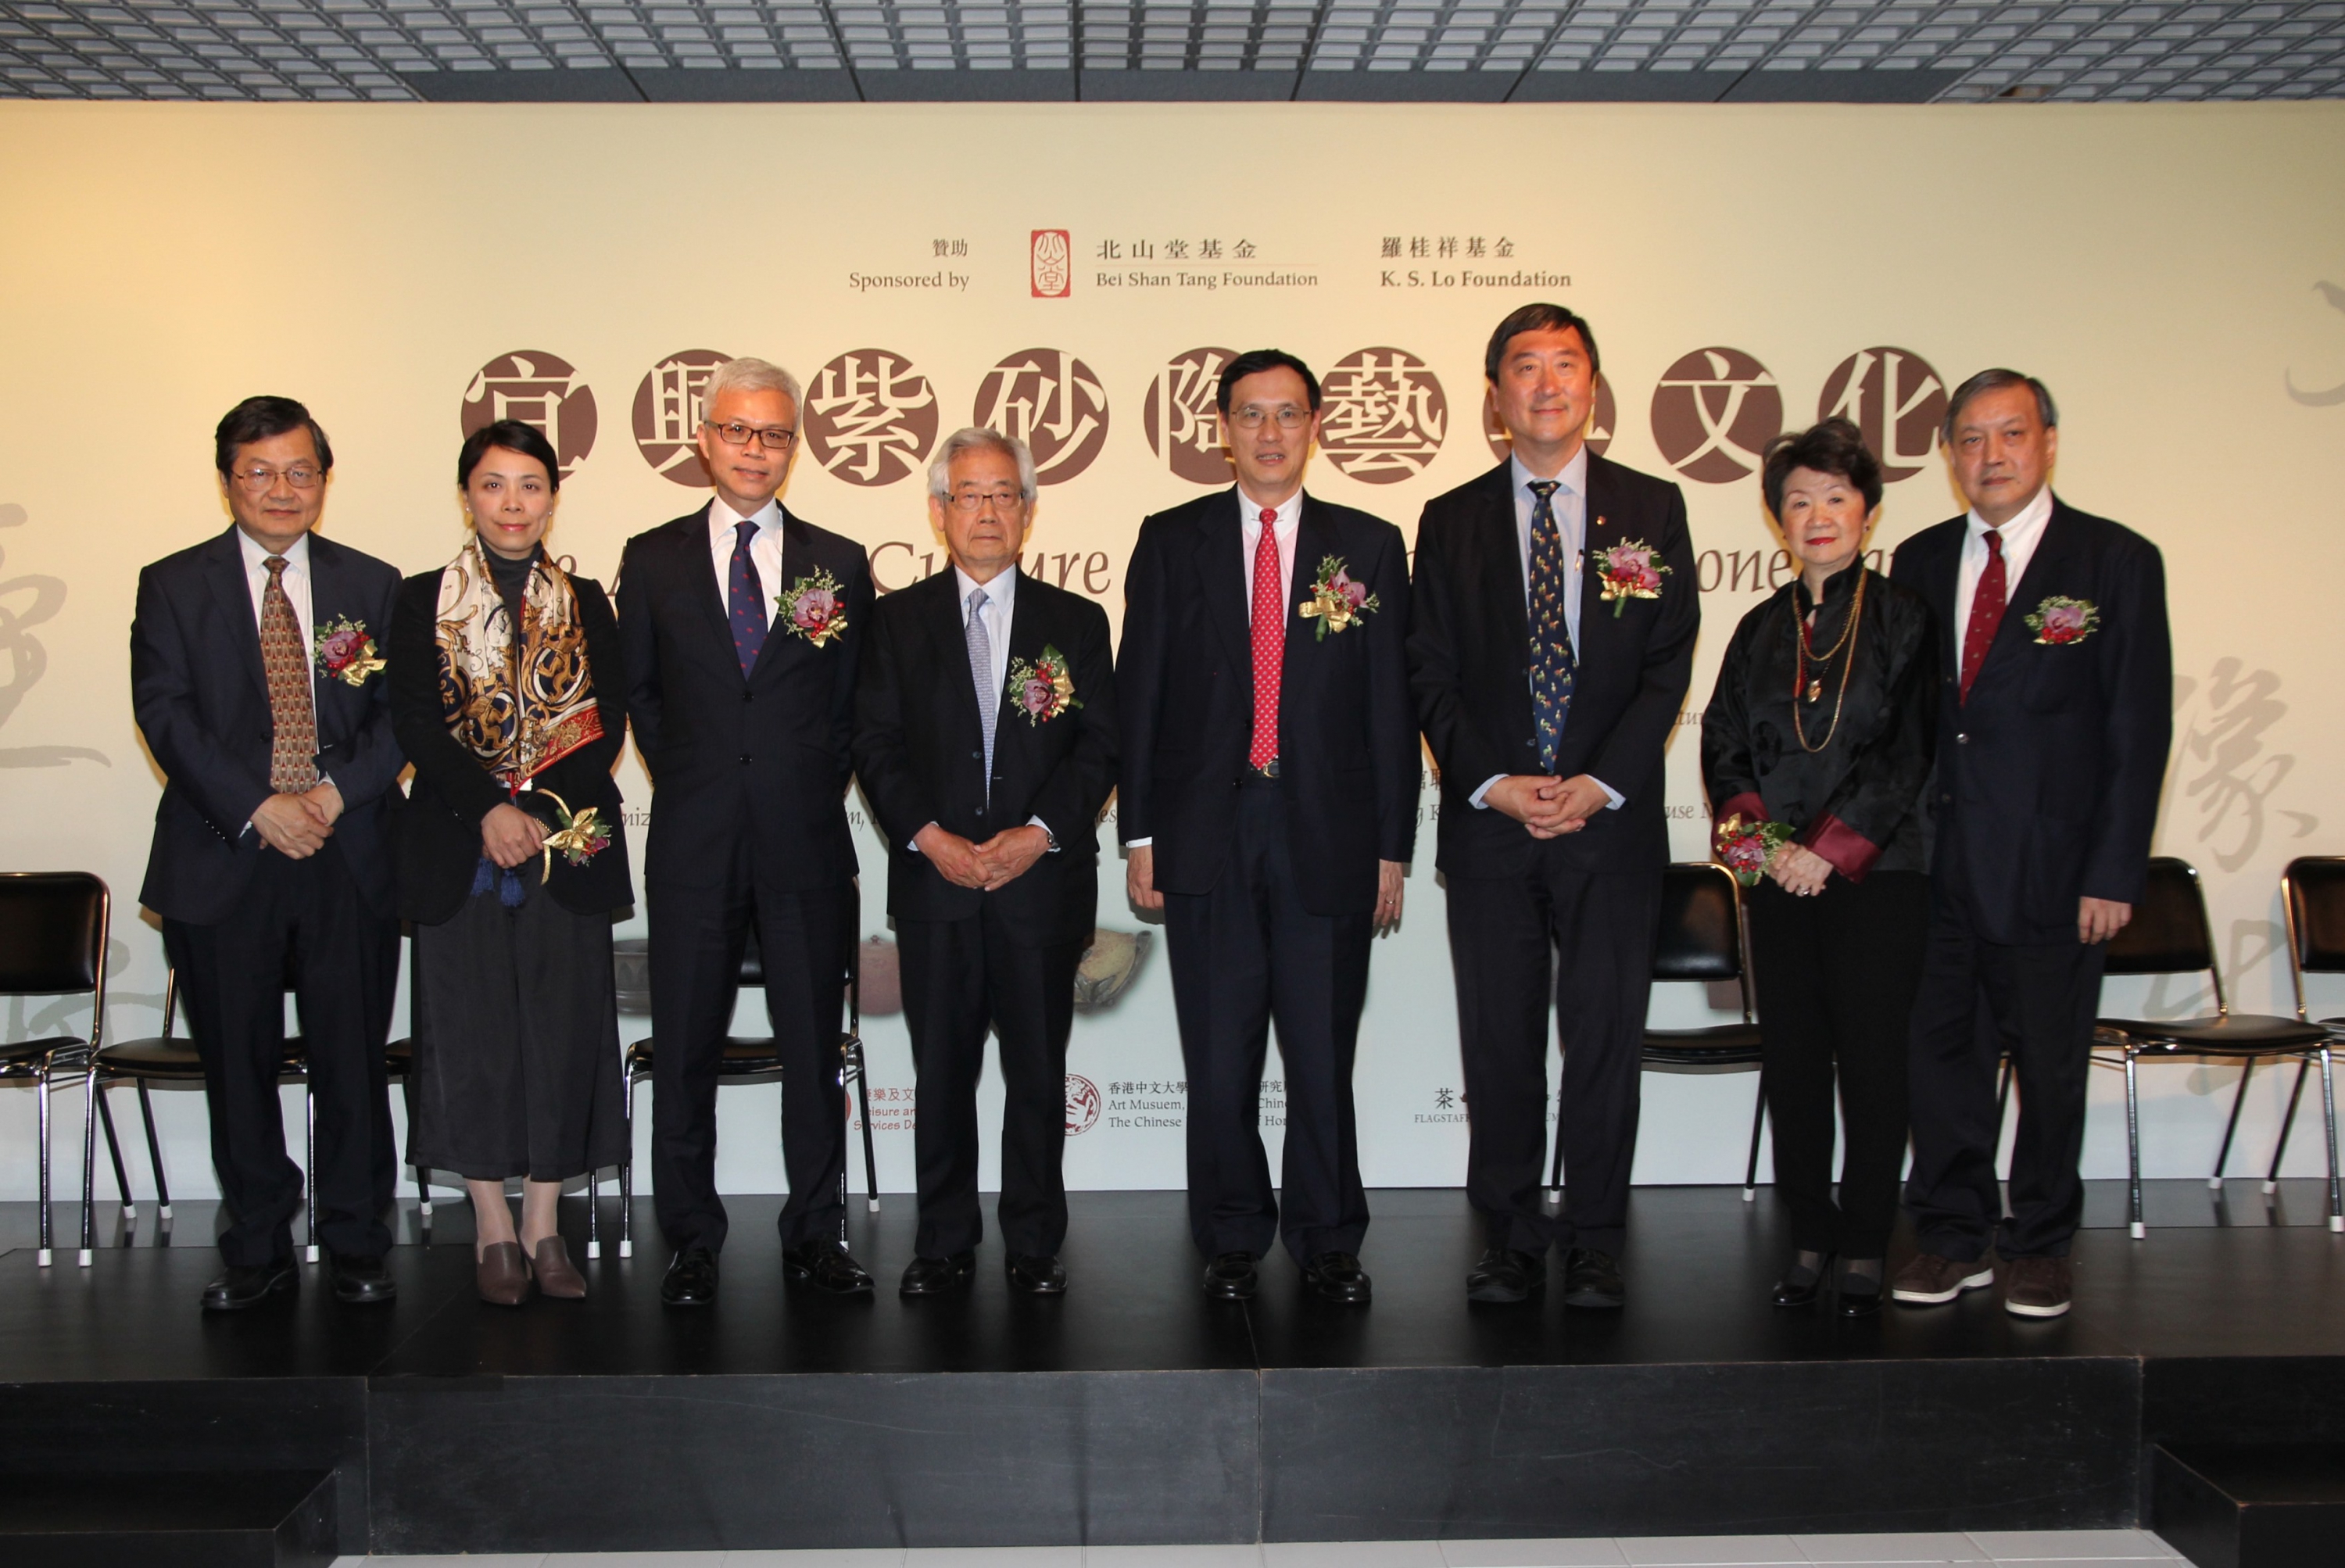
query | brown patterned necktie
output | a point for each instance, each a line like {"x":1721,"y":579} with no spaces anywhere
{"x":293,"y":756}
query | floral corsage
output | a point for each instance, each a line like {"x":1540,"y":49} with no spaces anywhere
{"x":1337,"y":602}
{"x":1632,"y":570}
{"x":346,"y":653}
{"x":1042,"y":688}
{"x":812,"y":608}
{"x":1748,"y":848}
{"x":2059,"y":619}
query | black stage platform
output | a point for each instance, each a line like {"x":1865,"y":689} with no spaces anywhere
{"x":1135,"y":1412}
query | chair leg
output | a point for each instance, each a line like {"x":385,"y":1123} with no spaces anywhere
{"x":310,"y":1174}
{"x":870,"y":1159}
{"x":2286,"y":1125}
{"x":88,"y":1163}
{"x":113,"y":1151}
{"x":1757,"y":1125}
{"x":593,"y":1213}
{"x":46,"y":1254}
{"x":2133,"y":1148}
{"x":155,"y":1153}
{"x":627,"y":1179}
{"x":422,"y":1185}
{"x":2002,"y":1105}
{"x":2238,"y":1099}
{"x":2329,"y":1118}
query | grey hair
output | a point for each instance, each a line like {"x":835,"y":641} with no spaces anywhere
{"x":977,"y":438}
{"x":752,"y":375}
{"x":1995,"y":381}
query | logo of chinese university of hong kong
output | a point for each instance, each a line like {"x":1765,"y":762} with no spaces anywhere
{"x":668,"y":404}
{"x":1049,"y":399}
{"x":1082,"y":1105}
{"x":1051,"y":259}
{"x":1714,"y":412}
{"x":540,"y":390}
{"x":1896,"y":399}
{"x":870,"y":417}
{"x":1383,"y":417}
{"x":1183,"y":417}
{"x":1603,"y":420}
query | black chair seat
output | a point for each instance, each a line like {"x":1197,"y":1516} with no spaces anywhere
{"x":1717,"y":1045}
{"x":743,"y":1058}
{"x":2239,"y":1034}
{"x":155,"y":1058}
{"x":400,"y":1054}
{"x":25,"y":1054}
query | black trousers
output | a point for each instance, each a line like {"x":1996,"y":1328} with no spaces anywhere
{"x":1505,"y":935}
{"x":698,"y":934}
{"x":302,"y":922}
{"x":960,"y":978}
{"x":2039,"y":1002}
{"x":1242,"y":955}
{"x":1835,"y":976}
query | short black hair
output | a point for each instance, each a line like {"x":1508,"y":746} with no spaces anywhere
{"x":1537,"y":318}
{"x":1835,"y":447}
{"x":259,"y":419}
{"x":1253,"y":362}
{"x":1995,"y":381}
{"x":513,"y":436}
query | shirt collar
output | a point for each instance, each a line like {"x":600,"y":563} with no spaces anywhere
{"x":1250,"y":510}
{"x":2023,"y":527}
{"x":297,"y":554}
{"x":1001,"y":593}
{"x":1574,"y":476}
{"x":723,"y":519}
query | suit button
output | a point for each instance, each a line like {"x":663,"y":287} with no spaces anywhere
{"x":1946,"y":799}
{"x":745,"y":759}
{"x":1962,"y":739}
{"x":975,"y":756}
{"x":748,"y":697}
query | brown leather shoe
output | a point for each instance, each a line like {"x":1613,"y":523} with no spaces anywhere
{"x":502,"y":1275}
{"x":556,"y":1275}
{"x":2037,"y":1287}
{"x":1930,"y":1280}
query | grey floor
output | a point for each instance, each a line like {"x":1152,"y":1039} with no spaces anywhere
{"x":2006,"y":1548}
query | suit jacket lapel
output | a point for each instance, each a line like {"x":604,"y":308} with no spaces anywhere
{"x":328,"y":586}
{"x":2048,"y":563}
{"x":1221,"y":567}
{"x":950,"y":631}
{"x":1597,"y":533}
{"x":224,"y":570}
{"x":1509,"y":599}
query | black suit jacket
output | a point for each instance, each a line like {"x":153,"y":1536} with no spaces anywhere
{"x":1347,"y":749}
{"x":2048,"y":776}
{"x":765,"y":757}
{"x":1469,"y":663}
{"x":919,"y":752}
{"x":202,"y":702}
{"x":440,"y":831}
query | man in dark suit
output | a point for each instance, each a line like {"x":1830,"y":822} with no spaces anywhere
{"x":985,"y":741}
{"x":1268,"y":801}
{"x":2053,"y":734}
{"x":741,"y":624}
{"x":256,"y":677}
{"x":1556,"y":613}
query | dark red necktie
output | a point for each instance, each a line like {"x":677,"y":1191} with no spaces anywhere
{"x":1988,"y":601}
{"x":1269,"y":642}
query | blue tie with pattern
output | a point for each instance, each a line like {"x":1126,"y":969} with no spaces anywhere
{"x":981,"y":675}
{"x":1552,"y":665}
{"x":744,"y":600}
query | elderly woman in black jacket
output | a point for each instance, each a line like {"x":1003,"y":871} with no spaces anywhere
{"x":1816,"y":749}
{"x":506,"y":694}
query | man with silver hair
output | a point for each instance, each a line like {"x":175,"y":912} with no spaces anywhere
{"x":742,"y":623}
{"x":985,"y":738}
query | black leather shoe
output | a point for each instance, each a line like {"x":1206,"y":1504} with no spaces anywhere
{"x":362,"y":1281}
{"x":1337,"y":1276}
{"x":1802,"y":1283}
{"x":691,"y":1279}
{"x":826,"y":1265}
{"x":1592,"y":1279}
{"x":1036,"y":1275}
{"x":1230,"y":1277}
{"x":937,"y":1275}
{"x":1860,"y":1291}
{"x":240,"y":1286}
{"x":1504,"y":1276}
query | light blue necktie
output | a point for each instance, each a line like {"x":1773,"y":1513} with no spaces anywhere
{"x":981,"y":675}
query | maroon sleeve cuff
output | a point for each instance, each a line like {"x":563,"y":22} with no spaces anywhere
{"x":1851,"y":854}
{"x":1747,"y":806}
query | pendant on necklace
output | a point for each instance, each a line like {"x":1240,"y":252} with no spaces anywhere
{"x":1815,"y":690}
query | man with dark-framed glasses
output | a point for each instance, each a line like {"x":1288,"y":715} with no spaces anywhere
{"x":742,"y":623}
{"x":1268,"y":804}
{"x":257,"y":680}
{"x":985,"y":741}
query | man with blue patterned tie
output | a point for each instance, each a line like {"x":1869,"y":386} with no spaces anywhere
{"x":742,"y":623}
{"x":1553,"y":640}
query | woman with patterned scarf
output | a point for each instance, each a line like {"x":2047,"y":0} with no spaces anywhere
{"x":506,"y":694}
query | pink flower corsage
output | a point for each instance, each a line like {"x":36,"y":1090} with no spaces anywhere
{"x":1040,"y":688}
{"x":2059,"y":620}
{"x":1337,"y":602}
{"x":345,"y":652}
{"x":813,"y":607}
{"x":1631,"y":570}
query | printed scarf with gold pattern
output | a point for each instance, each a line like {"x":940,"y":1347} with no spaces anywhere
{"x":519,"y":703}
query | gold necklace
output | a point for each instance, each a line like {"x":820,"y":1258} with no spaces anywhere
{"x":1815,"y":688}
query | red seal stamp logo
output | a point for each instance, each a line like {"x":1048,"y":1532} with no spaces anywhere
{"x":1051,"y":259}
{"x":1082,"y":1105}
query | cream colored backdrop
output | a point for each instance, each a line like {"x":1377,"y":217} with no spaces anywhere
{"x":2171,"y":271}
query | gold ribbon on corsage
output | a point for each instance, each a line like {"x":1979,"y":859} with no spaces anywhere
{"x":580,"y":837}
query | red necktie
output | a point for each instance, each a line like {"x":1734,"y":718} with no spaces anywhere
{"x":1269,"y":642}
{"x":1988,"y":605}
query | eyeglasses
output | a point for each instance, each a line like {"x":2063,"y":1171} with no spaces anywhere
{"x":1254,"y":417}
{"x":773,"y":438}
{"x":977,"y":500}
{"x":260,"y":479}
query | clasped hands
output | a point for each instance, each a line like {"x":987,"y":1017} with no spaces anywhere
{"x":298,"y":824}
{"x":1550,"y":807}
{"x":990,"y":866}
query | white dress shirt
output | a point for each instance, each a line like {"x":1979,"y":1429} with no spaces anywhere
{"x":999,"y":607}
{"x":297,"y":594}
{"x":2020,"y":537}
{"x":1570,"y":500}
{"x":765,"y":551}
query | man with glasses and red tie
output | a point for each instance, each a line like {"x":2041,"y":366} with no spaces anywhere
{"x":741,"y":625}
{"x":1268,"y":803}
{"x":2052,"y":731}
{"x":257,"y":680}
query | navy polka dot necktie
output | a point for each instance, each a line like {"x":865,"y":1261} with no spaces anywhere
{"x":744,"y":600}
